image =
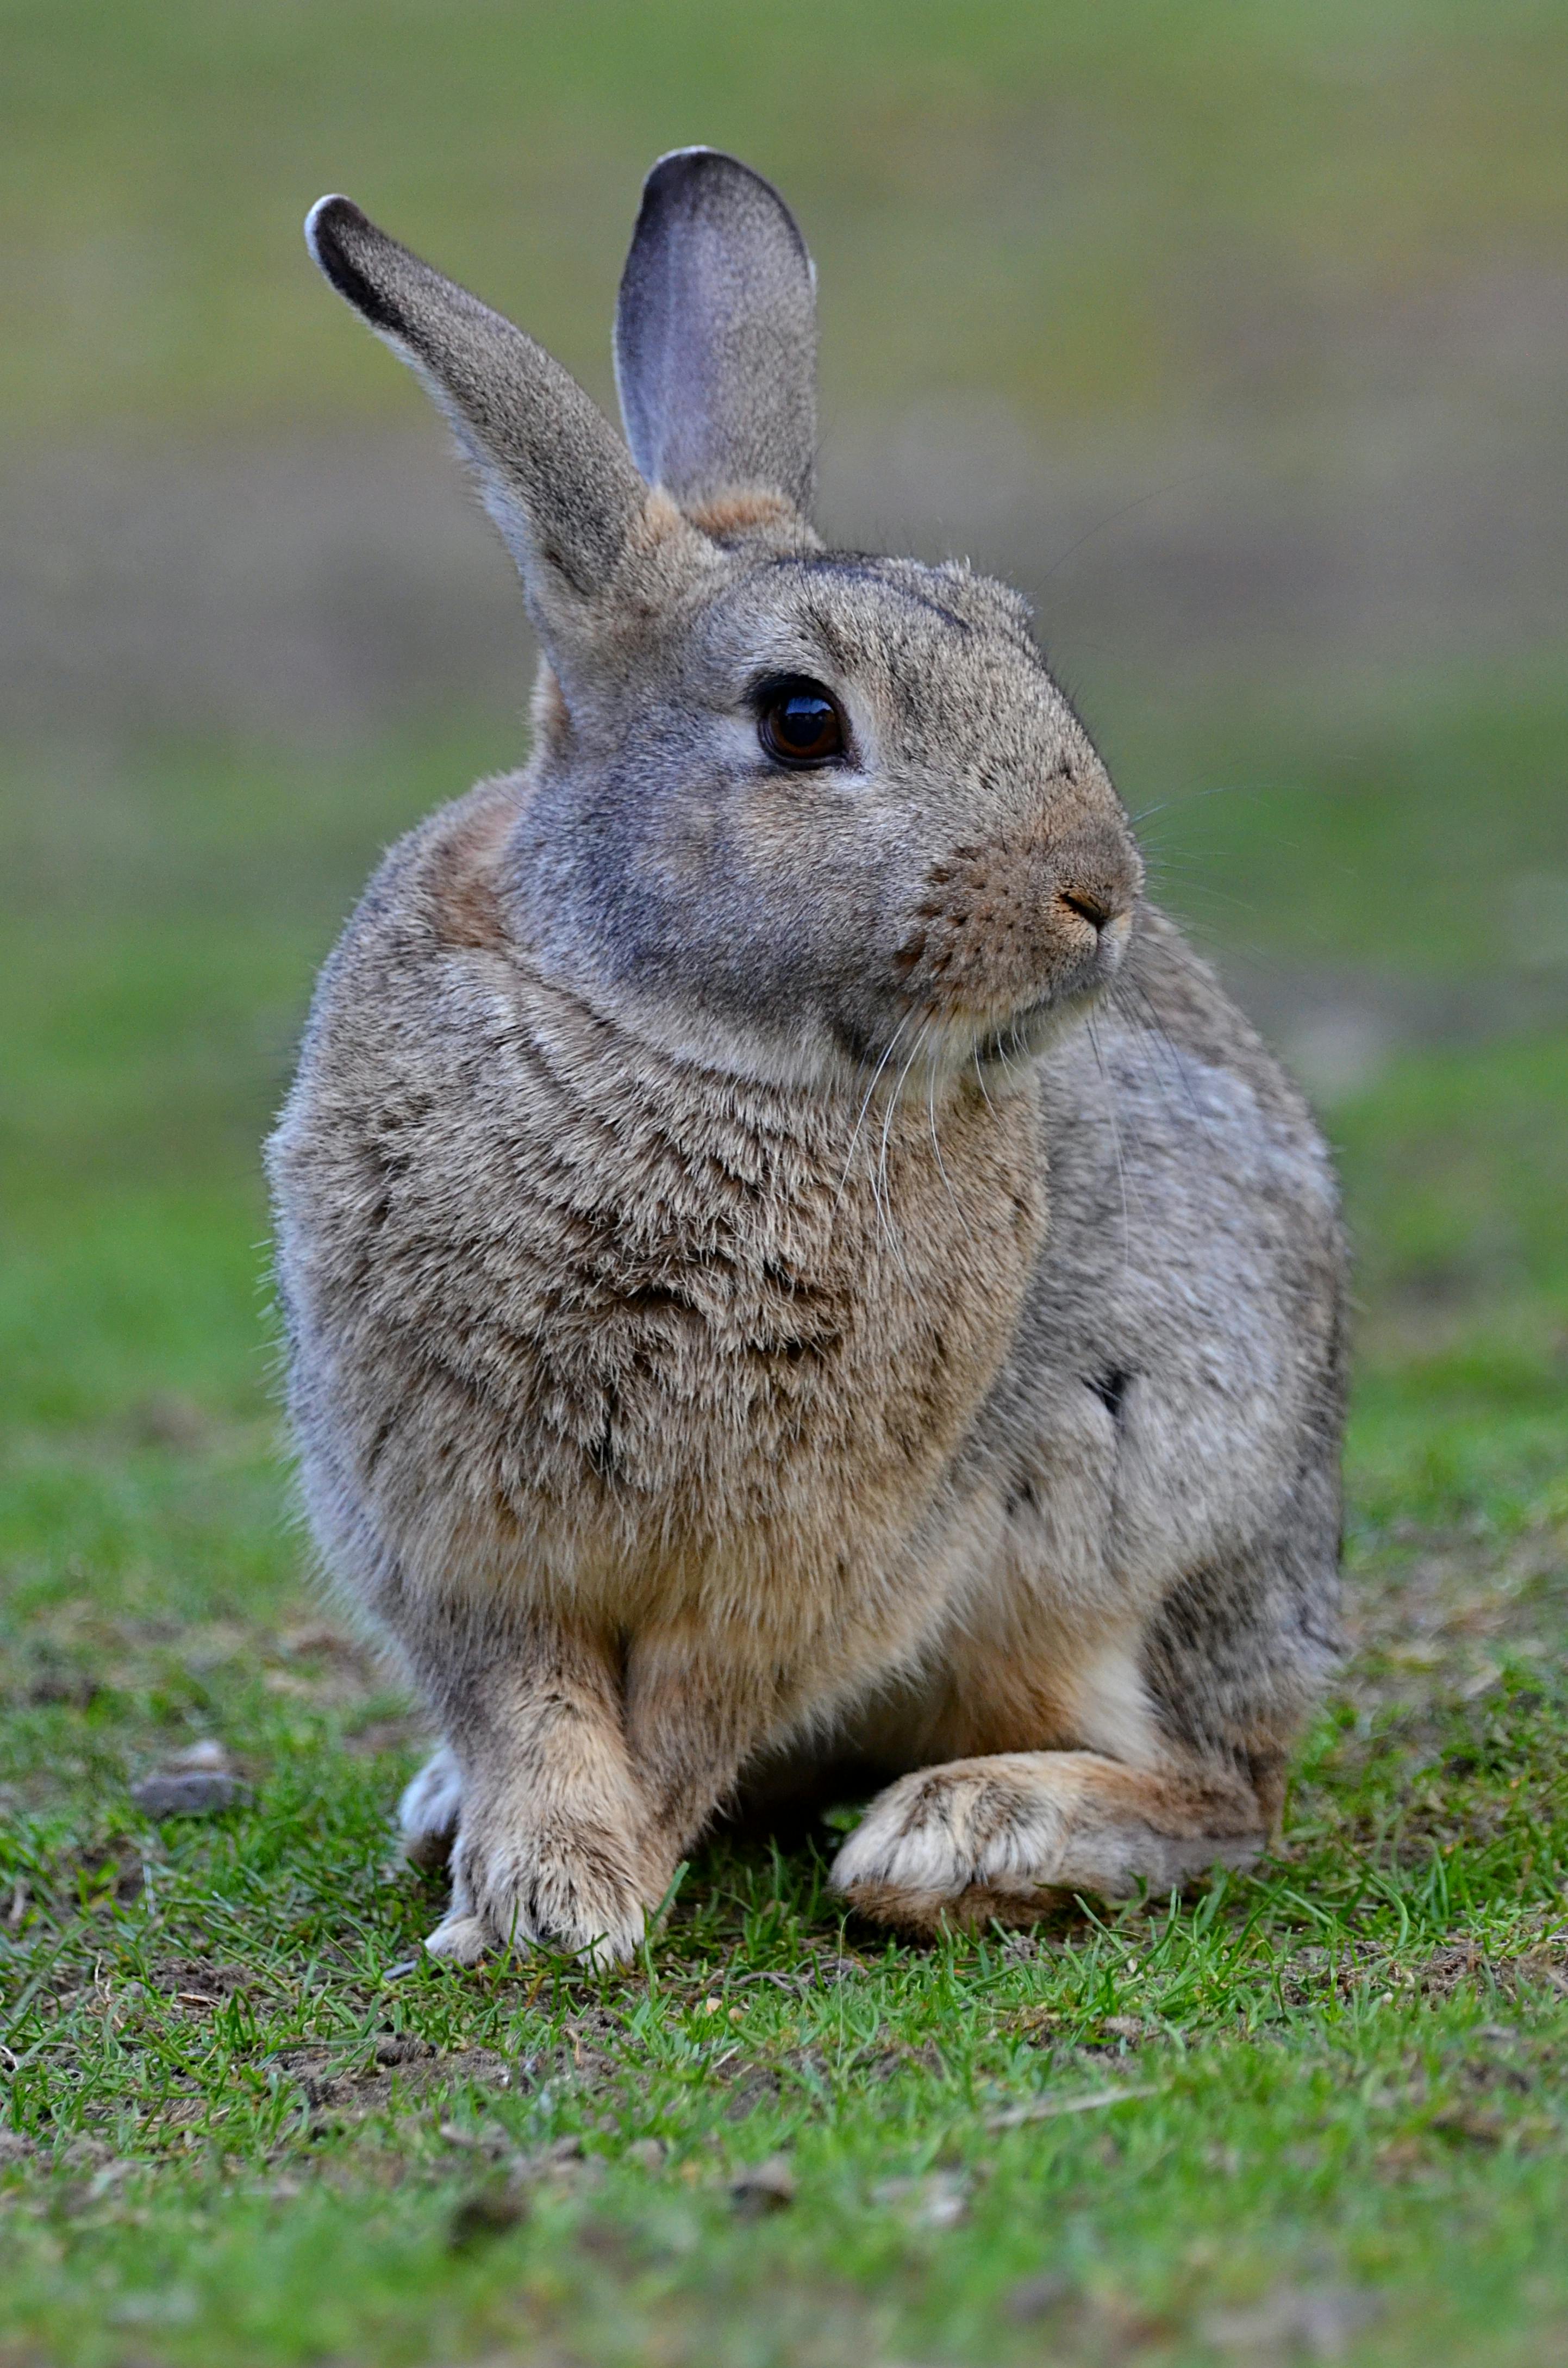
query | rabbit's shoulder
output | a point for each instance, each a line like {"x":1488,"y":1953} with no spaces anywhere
{"x":437,"y":892}
{"x":1170,"y":992}
{"x":1194,"y":1215}
{"x":1175,"y":1134}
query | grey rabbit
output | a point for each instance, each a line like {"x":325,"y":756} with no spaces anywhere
{"x":788,"y":1260}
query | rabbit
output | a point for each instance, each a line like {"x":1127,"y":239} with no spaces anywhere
{"x":789,"y":1262}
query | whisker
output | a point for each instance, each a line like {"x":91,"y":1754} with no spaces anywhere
{"x":893,"y":1100}
{"x":1155,"y":494}
{"x":1216,"y":789}
{"x":1004,"y":1038}
{"x":1152,"y":1025}
{"x":866,"y":1104}
{"x":937,"y":1148}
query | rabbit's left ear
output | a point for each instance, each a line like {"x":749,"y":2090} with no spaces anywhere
{"x":554,"y":474}
{"x":715,"y":336}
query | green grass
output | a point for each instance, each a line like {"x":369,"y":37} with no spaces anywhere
{"x":1327,"y":2103}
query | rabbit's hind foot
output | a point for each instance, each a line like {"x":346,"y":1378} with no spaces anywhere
{"x":1010,"y":1837}
{"x":429,"y":1810}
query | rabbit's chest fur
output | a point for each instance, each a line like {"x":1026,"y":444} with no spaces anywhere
{"x":570,"y":1316}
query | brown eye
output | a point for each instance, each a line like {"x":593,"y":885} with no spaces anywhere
{"x":799,"y":724}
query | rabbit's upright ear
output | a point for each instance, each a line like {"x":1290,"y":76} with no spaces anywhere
{"x":554,"y":474}
{"x":715,"y":336}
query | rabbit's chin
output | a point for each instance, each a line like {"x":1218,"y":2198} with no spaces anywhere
{"x":945,"y":1049}
{"x":1025,"y":1034}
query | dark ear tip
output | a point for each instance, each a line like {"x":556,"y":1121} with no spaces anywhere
{"x":686,"y":170}
{"x":680,"y":163}
{"x":324,"y":225}
{"x":338,"y":235}
{"x":684,"y":164}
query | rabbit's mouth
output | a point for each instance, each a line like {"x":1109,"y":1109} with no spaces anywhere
{"x":1032,"y":1027}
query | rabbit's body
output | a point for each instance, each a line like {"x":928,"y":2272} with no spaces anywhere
{"x":635,"y":1343}
{"x":758,"y":1293}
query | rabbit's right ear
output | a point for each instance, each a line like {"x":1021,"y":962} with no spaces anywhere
{"x":715,"y":336}
{"x":552,"y":472}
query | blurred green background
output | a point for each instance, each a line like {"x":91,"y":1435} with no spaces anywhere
{"x":1236,"y":334}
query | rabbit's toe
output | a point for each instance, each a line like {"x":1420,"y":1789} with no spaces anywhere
{"x":428,"y":1812}
{"x":461,"y":1940}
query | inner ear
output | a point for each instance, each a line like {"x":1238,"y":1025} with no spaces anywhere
{"x":715,"y":338}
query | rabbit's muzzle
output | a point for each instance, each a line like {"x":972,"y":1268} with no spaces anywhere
{"x":1018,"y":925}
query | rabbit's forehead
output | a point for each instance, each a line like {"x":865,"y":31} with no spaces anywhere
{"x":851,"y":616}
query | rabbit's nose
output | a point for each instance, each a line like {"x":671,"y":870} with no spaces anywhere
{"x":1095,"y":905}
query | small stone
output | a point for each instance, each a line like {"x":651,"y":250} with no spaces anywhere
{"x":1321,"y":2321}
{"x":491,"y":2211}
{"x":648,"y":2154}
{"x":193,"y":1792}
{"x":939,"y":2201}
{"x":194,"y":1782}
{"x":1037,"y":2296}
{"x":161,"y":2306}
{"x":208,"y":1755}
{"x":1123,"y":2026}
{"x":401,"y":2047}
{"x":767,"y":2187}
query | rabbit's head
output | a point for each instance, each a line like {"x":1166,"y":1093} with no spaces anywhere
{"x":794,"y":810}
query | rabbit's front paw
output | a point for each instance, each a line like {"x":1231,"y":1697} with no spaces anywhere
{"x":575,"y":1891}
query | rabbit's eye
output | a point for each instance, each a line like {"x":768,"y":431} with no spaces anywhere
{"x":799,"y":724}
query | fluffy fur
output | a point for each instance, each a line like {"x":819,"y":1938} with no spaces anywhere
{"x":789,"y":1272}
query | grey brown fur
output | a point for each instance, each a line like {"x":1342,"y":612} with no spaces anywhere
{"x":786,"y":1268}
